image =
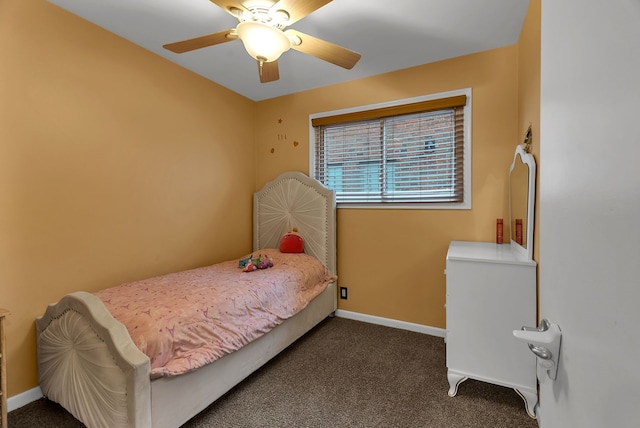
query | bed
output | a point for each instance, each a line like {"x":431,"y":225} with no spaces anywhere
{"x":89,"y":364}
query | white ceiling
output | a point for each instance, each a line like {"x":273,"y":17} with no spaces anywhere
{"x":390,"y":35}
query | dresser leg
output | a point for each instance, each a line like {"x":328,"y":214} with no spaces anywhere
{"x":530,"y":401}
{"x":455,"y":379}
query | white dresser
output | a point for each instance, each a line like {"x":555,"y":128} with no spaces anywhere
{"x":491,"y":291}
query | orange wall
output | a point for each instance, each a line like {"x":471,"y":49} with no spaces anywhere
{"x":115,"y":164}
{"x":392,"y":261}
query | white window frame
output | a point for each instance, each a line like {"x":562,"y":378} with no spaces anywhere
{"x":464,"y":205}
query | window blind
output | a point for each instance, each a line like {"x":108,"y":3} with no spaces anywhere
{"x":394,"y":155}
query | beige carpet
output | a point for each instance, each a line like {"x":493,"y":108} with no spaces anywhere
{"x":344,"y":373}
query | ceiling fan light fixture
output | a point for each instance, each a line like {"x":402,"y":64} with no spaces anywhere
{"x":263,"y":41}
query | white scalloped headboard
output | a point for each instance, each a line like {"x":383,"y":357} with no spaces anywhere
{"x":295,"y":200}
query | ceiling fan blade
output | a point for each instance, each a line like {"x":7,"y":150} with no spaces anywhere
{"x":324,"y":50}
{"x":268,"y":71}
{"x":200,"y":42}
{"x":298,"y":9}
{"x":230,"y":6}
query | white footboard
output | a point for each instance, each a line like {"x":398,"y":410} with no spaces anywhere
{"x":88,"y":363}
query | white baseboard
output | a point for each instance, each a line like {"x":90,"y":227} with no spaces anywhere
{"x":24,"y":398}
{"x":388,"y":322}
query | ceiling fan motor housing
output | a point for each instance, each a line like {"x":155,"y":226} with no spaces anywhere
{"x":276,"y":18}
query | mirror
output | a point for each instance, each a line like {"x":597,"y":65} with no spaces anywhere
{"x":522,"y":191}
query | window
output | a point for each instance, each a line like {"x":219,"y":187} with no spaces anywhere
{"x":414,"y":153}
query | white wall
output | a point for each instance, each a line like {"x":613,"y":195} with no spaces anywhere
{"x":590,"y":210}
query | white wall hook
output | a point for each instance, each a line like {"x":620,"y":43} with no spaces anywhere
{"x":544,"y":342}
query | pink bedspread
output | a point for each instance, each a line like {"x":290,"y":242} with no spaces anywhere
{"x":188,"y":319}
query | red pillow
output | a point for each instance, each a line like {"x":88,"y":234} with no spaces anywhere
{"x":292,"y":242}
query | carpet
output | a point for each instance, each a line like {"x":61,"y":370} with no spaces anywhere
{"x":343,"y":373}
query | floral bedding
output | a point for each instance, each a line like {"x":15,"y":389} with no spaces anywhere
{"x":188,"y":319}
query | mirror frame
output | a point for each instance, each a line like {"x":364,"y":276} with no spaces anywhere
{"x":527,"y":159}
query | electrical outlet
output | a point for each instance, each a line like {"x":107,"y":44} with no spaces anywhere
{"x":343,"y":293}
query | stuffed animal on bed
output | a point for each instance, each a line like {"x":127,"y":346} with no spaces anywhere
{"x":250,"y":264}
{"x":292,"y":242}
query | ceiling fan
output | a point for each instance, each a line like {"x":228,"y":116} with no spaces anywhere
{"x":261,"y":29}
